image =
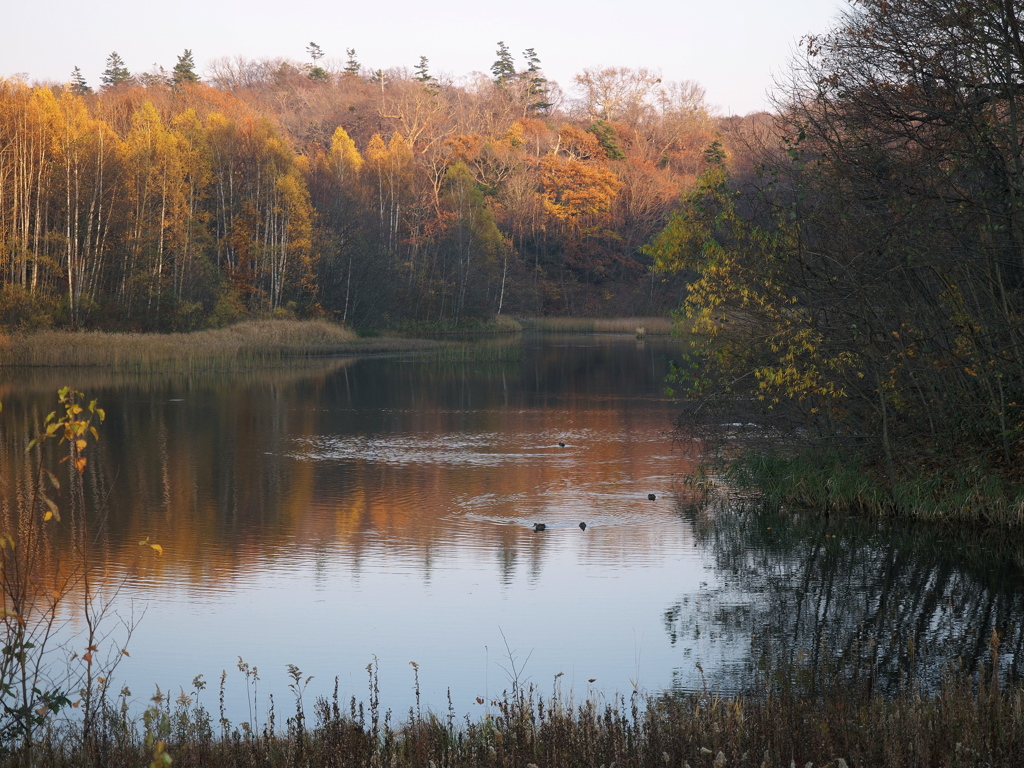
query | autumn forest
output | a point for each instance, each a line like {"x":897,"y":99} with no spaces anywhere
{"x":164,"y":202}
{"x":853,"y":259}
{"x":844,"y":279}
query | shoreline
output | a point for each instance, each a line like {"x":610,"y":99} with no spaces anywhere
{"x":263,"y":343}
{"x":789,"y":718}
{"x":257,"y":343}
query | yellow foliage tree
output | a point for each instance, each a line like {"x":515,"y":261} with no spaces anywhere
{"x":576,"y":193}
{"x":344,"y":156}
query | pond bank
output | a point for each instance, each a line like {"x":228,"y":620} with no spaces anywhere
{"x":827,"y":482}
{"x":257,"y":343}
{"x":263,"y":343}
{"x":804,"y":720}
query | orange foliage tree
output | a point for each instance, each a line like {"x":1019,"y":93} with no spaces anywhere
{"x":370,"y":199}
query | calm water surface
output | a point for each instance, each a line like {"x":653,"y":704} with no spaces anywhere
{"x":381,"y":511}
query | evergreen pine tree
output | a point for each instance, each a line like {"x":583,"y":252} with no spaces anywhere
{"x":78,"y":84}
{"x":116,"y":72}
{"x":156,"y":77}
{"x":423,"y":76}
{"x":504,"y":69}
{"x":316,"y":72}
{"x":537,"y":84}
{"x":352,"y":65}
{"x":422,"y":70}
{"x":185,"y":70}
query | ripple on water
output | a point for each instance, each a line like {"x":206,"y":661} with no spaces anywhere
{"x":472,"y":449}
{"x":454,"y":449}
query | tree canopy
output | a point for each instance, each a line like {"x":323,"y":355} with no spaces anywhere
{"x":373,"y":199}
{"x":872,"y":273}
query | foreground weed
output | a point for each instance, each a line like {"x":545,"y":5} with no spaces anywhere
{"x":791,"y":716}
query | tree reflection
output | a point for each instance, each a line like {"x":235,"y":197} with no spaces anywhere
{"x":883,"y":603}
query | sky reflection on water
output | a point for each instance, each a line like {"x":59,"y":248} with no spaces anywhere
{"x":383,"y":510}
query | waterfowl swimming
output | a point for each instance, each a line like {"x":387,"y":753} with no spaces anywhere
{"x":561,"y":445}
{"x":651,"y":497}
{"x":583,"y":526}
{"x":539,"y":526}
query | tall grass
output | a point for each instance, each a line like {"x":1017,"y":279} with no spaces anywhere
{"x":506,"y":350}
{"x":971,"y":720}
{"x":965,"y":494}
{"x":649,"y":326}
{"x":496,"y":324}
{"x":22,"y":380}
{"x":248,"y":345}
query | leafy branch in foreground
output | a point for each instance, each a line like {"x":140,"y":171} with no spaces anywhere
{"x":47,"y":585}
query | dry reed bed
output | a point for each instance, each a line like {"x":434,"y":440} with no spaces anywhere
{"x":23,"y":380}
{"x":651,"y":326}
{"x":247,"y":345}
{"x":970,"y":721}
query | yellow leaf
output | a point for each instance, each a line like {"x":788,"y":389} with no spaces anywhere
{"x":87,"y":657}
{"x":41,"y":711}
{"x":48,"y":516}
{"x":157,"y":548}
{"x":80,"y":464}
{"x":53,"y":511}
{"x":81,"y":444}
{"x":125,"y":652}
{"x":56,"y":595}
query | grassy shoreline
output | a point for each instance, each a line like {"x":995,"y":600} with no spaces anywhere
{"x":639,"y":326}
{"x":267,"y":343}
{"x":257,"y":343}
{"x":826,"y":482}
{"x":972,"y":719}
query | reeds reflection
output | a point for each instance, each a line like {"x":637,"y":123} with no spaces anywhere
{"x":385,"y":508}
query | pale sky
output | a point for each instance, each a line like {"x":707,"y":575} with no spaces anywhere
{"x":734,"y":48}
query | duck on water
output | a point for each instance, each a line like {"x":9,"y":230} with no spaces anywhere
{"x":537,"y":527}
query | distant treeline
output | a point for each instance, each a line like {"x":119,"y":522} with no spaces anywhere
{"x":375,"y":198}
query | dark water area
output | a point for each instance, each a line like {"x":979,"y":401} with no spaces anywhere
{"x":381,"y":511}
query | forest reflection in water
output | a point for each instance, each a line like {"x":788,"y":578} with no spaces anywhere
{"x":885,"y":602}
{"x":352,"y":510}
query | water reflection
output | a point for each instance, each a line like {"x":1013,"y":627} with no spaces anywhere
{"x":888,"y":602}
{"x":383,"y":508}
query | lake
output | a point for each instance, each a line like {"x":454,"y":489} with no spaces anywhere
{"x":380,"y":511}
